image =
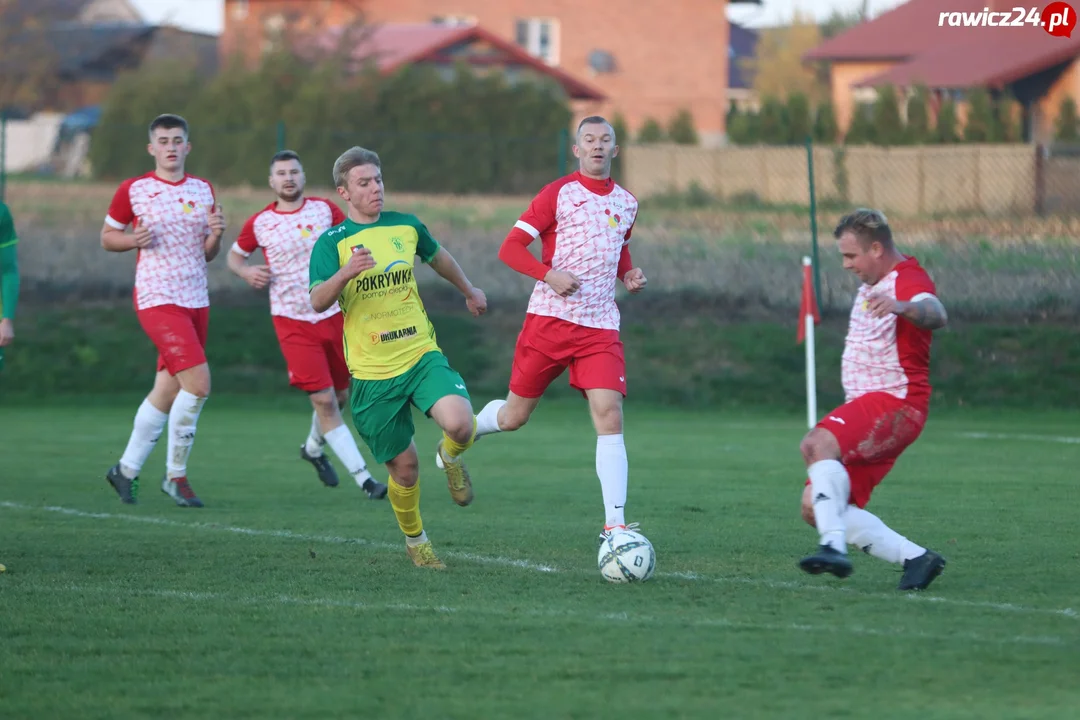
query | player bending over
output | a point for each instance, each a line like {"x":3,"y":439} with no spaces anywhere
{"x":366,"y":265}
{"x":583,"y":221}
{"x":177,"y":227}
{"x":310,"y":341}
{"x":886,"y":376}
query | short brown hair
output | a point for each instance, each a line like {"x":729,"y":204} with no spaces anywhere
{"x":354,"y":157}
{"x":595,"y":120}
{"x":868,"y":225}
{"x":282,"y":156}
{"x":168,"y":121}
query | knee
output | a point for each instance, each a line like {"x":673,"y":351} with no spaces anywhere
{"x":511,"y":418}
{"x":819,"y":445}
{"x":324,"y":402}
{"x":342,"y":398}
{"x":196,"y":381}
{"x":405,"y":469}
{"x":460,"y":428}
{"x":608,"y":420}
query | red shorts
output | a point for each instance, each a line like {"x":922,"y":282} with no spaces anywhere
{"x":314,"y":352}
{"x":178,"y":333}
{"x":546,"y":346}
{"x":872,"y":431}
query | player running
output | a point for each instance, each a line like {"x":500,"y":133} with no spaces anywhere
{"x":9,"y":279}
{"x":177,"y":227}
{"x":366,"y":265}
{"x":310,"y":341}
{"x":9,"y":284}
{"x":886,"y":376}
{"x":583,"y":221}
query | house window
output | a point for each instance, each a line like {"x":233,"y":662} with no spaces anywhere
{"x":539,"y":37}
{"x":239,"y":9}
{"x":454,"y":20}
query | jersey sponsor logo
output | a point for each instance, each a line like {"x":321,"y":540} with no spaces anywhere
{"x":386,"y":314}
{"x":393,"y":335}
{"x":385,"y":284}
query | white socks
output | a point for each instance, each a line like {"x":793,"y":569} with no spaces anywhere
{"x":182,"y":420}
{"x":487,"y":420}
{"x":830,"y":486}
{"x":315,"y":439}
{"x":867,"y":532}
{"x":613,"y":471}
{"x":341,"y":442}
{"x":149,"y":424}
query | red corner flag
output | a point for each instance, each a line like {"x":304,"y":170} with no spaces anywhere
{"x":808,"y":304}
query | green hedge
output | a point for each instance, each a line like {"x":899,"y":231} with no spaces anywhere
{"x":715,"y":357}
{"x":465,"y":134}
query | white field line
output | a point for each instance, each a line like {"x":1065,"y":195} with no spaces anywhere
{"x":543,"y":568}
{"x":1021,"y":436}
{"x":502,"y":612}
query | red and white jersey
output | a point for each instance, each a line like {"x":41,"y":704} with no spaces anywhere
{"x":172,"y":270}
{"x":889,"y":354}
{"x":286,"y":239}
{"x":583,"y":225}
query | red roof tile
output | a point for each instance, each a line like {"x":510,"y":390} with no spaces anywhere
{"x":392,"y":45}
{"x":947,"y":57}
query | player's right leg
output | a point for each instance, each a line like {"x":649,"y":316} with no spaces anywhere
{"x":382,"y":415}
{"x":150,"y":421}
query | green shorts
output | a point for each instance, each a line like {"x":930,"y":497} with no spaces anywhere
{"x":381,"y":408}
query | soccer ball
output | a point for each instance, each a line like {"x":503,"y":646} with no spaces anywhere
{"x":626,"y":556}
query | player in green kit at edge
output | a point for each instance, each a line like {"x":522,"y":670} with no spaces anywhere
{"x":366,"y":265}
{"x":9,"y":283}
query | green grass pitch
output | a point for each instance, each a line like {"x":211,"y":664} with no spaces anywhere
{"x":285,"y":599}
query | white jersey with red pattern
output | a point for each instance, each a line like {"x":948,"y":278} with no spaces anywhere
{"x":583,"y":225}
{"x":889,"y":354}
{"x":286,"y":239}
{"x":172,"y":270}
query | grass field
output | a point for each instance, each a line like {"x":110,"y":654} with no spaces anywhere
{"x":286,"y":599}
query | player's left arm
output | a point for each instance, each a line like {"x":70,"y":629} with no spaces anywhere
{"x":442,"y":262}
{"x":632,"y":277}
{"x":216,"y":222}
{"x":924,"y":311}
{"x":9,"y":276}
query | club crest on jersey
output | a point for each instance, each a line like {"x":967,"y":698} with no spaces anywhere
{"x":306,"y":230}
{"x":613,"y":220}
{"x":398,"y":245}
{"x":189,"y":206}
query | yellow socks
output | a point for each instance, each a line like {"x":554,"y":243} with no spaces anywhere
{"x":453,"y":450}
{"x":406,"y":504}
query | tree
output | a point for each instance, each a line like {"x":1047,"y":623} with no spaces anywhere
{"x":29,"y":56}
{"x":777,"y":68}
{"x":650,"y":132}
{"x":825,"y":129}
{"x":945,"y":128}
{"x":798,"y":112}
{"x":1006,"y":125}
{"x":681,"y":129}
{"x":918,"y":116}
{"x":1065,"y":126}
{"x":772,"y":122}
{"x":978,"y":126}
{"x":888,"y":127}
{"x":742,"y":126}
{"x":618,"y":126}
{"x":862,"y":130}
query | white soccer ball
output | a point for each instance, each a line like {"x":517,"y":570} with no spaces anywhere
{"x":626,"y":556}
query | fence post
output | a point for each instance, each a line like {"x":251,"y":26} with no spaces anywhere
{"x":280,"y":135}
{"x":3,"y":153}
{"x":564,"y":151}
{"x":813,"y":222}
{"x":1040,"y":180}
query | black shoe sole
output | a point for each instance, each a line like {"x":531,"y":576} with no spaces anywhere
{"x":931,"y":577}
{"x":817,"y":566}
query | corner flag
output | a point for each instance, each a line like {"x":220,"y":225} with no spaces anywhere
{"x":809,"y":315}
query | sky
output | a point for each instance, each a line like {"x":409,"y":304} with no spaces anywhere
{"x":207,"y":15}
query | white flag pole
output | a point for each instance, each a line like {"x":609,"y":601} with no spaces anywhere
{"x":811,"y":370}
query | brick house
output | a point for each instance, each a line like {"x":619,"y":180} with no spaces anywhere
{"x":650,"y":59}
{"x":906,"y":47}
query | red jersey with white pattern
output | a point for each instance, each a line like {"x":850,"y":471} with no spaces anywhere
{"x":583,"y":225}
{"x":889,"y":354}
{"x":286,"y":239}
{"x":172,"y":270}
